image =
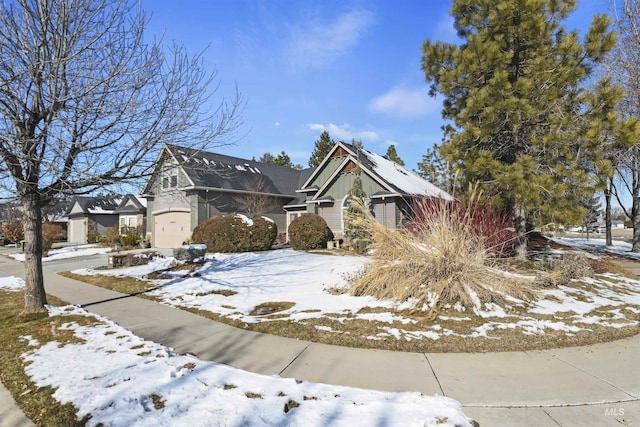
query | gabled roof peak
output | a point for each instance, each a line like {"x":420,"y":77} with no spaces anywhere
{"x":389,"y":174}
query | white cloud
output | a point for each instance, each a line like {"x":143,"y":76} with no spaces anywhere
{"x":315,"y":44}
{"x":404,"y":102}
{"x":276,"y":124}
{"x":390,"y":142}
{"x":344,"y":132}
{"x":445,"y":31}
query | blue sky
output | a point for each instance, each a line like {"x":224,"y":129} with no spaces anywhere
{"x":350,"y":67}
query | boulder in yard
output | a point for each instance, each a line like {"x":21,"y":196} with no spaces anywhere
{"x":190,"y":253}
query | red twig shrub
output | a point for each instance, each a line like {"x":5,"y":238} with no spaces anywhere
{"x":13,"y":231}
{"x":495,"y":229}
{"x":50,"y":233}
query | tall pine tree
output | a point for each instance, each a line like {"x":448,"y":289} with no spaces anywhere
{"x":359,"y":237}
{"x":321,"y":149}
{"x":523,"y":124}
{"x":392,"y":154}
{"x":282,"y":159}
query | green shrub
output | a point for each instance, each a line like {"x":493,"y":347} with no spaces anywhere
{"x":130,"y":239}
{"x":100,"y":238}
{"x":235,"y":233}
{"x":309,"y":231}
{"x":628,"y":223}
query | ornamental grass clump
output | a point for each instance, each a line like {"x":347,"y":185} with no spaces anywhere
{"x":439,"y":261}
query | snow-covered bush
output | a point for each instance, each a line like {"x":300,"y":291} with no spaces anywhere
{"x":235,"y":233}
{"x":308,"y":231}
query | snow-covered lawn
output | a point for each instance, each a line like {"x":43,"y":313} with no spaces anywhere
{"x":72,"y":251}
{"x":233,"y":285}
{"x":122,"y":380}
{"x":598,"y":245}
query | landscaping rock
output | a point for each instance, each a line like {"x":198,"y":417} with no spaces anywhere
{"x":190,"y":253}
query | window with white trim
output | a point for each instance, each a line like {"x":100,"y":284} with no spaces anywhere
{"x":128,"y":223}
{"x":170,"y":177}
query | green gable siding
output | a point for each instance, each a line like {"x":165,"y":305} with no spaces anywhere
{"x":341,"y":186}
{"x":329,"y":169}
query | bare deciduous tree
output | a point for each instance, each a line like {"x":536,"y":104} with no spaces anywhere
{"x":623,"y":65}
{"x":256,"y":201}
{"x":86,"y":101}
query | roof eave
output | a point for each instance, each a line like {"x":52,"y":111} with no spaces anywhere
{"x":229,"y":190}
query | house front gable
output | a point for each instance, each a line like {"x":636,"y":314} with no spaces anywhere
{"x":334,"y":160}
{"x":168,"y":176}
{"x":389,"y":187}
{"x":130,"y":204}
{"x":75,"y":210}
{"x":189,"y":186}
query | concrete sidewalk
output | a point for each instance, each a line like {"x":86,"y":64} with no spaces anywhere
{"x":596,"y":385}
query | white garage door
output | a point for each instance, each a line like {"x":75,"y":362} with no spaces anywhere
{"x":170,"y":229}
{"x":77,"y":230}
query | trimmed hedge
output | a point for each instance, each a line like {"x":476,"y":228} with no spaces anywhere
{"x":309,"y":231}
{"x":235,"y":233}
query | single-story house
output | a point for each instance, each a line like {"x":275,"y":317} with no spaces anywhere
{"x":188,"y":186}
{"x":132,"y":215}
{"x":91,"y":216}
{"x":390,"y":188}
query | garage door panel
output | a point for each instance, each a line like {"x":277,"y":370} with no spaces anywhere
{"x":170,"y":229}
{"x":77,"y":230}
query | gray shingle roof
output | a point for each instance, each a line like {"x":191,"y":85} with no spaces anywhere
{"x":138,"y":205}
{"x":217,"y":171}
{"x":96,"y":205}
{"x":397,"y":177}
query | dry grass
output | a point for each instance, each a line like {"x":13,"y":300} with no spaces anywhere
{"x":346,"y":330}
{"x":124,"y":285}
{"x":442,"y":263}
{"x":36,"y":402}
{"x":565,"y":269}
{"x":267,"y":308}
{"x":158,"y":403}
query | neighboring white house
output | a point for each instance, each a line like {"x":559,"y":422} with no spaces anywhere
{"x":90,"y":217}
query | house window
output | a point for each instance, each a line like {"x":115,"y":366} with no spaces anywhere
{"x":343,"y":212}
{"x":128,"y":223}
{"x":170,"y":177}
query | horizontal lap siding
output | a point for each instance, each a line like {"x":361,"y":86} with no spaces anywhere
{"x":333,"y":216}
{"x":385,"y":212}
{"x":170,"y":200}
